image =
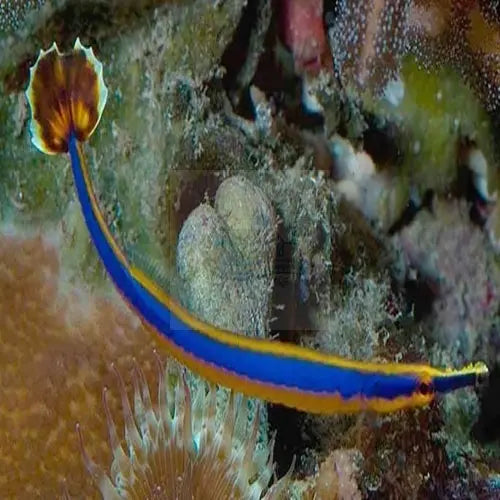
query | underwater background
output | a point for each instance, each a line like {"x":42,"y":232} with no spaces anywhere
{"x":323,"y":173}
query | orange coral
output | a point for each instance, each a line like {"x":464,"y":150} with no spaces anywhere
{"x":57,"y":347}
{"x":55,"y":353}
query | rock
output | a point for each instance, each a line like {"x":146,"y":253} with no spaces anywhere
{"x":225,"y":256}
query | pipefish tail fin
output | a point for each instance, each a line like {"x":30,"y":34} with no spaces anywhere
{"x":67,"y":95}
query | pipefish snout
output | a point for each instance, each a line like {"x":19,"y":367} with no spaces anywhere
{"x":67,"y":96}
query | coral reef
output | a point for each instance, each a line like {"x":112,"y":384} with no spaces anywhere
{"x":451,"y":262}
{"x":291,"y":207}
{"x":177,"y":450}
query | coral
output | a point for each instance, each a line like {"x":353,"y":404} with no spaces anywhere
{"x":336,"y":478}
{"x":436,"y":111}
{"x":230,"y":248}
{"x":371,"y":192}
{"x":57,"y":344}
{"x":369,"y":40}
{"x":448,"y":252}
{"x":13,"y":12}
{"x":354,"y":327}
{"x":415,"y":454}
{"x":462,"y":33}
{"x":177,"y":450}
{"x":403,"y":459}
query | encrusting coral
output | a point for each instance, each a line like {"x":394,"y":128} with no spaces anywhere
{"x":57,"y":345}
{"x":449,"y":256}
{"x":336,"y":478}
{"x":370,"y":38}
{"x":12,"y":12}
{"x":178,"y":451}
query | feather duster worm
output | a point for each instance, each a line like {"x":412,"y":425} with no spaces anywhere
{"x":177,"y":450}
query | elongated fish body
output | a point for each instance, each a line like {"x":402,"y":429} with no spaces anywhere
{"x":67,"y":96}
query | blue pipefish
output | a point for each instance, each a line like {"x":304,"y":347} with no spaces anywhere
{"x":67,"y":95}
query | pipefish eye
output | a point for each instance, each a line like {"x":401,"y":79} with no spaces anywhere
{"x":425,"y":388}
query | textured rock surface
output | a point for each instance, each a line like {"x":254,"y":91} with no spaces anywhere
{"x":225,"y":256}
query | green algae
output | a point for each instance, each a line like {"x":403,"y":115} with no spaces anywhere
{"x":437,"y":110}
{"x":27,"y":178}
{"x":135,"y":144}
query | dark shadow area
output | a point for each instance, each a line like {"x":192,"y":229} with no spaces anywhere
{"x":291,"y":440}
{"x":274,"y":73}
{"x":487,"y":428}
{"x":292,"y":321}
{"x":420,"y":295}
{"x":382,"y":141}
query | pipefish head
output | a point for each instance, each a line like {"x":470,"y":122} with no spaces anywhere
{"x":449,"y":380}
{"x":66,"y":94}
{"x":403,"y":386}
